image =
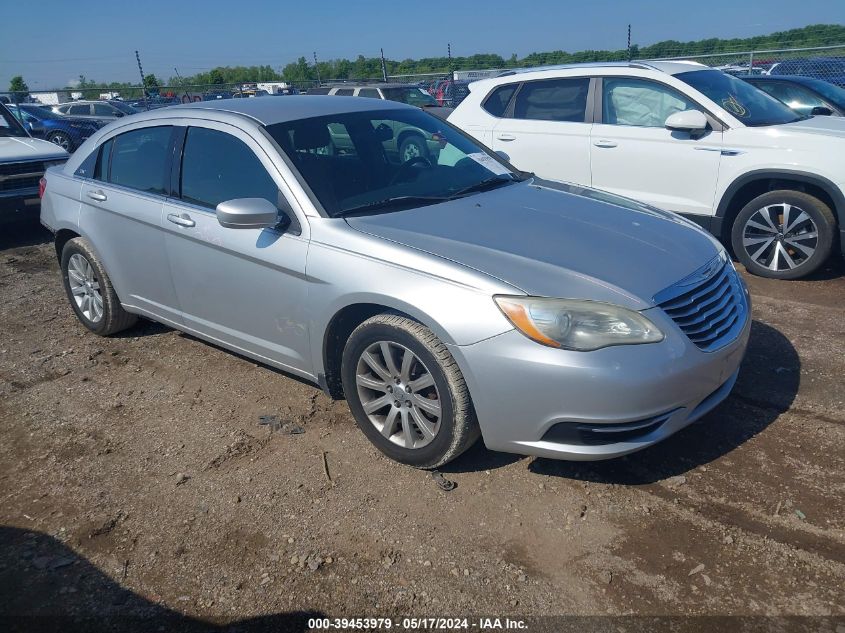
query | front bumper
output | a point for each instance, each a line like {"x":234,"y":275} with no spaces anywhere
{"x":524,"y":393}
{"x":19,"y":204}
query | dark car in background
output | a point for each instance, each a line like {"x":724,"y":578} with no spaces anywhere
{"x":104,"y":111}
{"x":154,"y":102}
{"x":830,"y":69}
{"x":804,"y":95}
{"x":66,"y":132}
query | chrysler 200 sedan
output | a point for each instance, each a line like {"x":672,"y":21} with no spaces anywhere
{"x":444,"y":298}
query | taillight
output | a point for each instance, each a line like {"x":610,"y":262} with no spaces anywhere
{"x":42,"y":187}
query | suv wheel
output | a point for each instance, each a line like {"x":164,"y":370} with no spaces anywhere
{"x":90,"y":291}
{"x":412,"y":146}
{"x":62,"y":140}
{"x":783,"y":234}
{"x":406,"y":392}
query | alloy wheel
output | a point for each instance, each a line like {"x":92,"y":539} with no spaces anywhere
{"x":85,"y":287}
{"x":780,"y":237}
{"x":398,"y":394}
{"x":62,"y":140}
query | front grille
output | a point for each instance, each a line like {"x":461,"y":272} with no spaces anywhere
{"x":709,"y":306}
{"x":14,"y":176}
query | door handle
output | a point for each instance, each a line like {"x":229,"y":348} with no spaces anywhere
{"x":99,"y":196}
{"x":182,"y":220}
{"x":605,"y":143}
{"x":505,"y":137}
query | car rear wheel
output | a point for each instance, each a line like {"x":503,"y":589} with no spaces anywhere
{"x":406,"y":392}
{"x":90,"y":290}
{"x":783,"y":234}
{"x":62,"y":139}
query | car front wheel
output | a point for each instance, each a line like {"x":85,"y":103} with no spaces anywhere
{"x":406,"y":392}
{"x":783,"y":234}
{"x":61,"y":139}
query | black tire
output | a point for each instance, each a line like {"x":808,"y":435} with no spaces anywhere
{"x":114,"y":318}
{"x":415,"y":144}
{"x":762,"y":259}
{"x":458,"y":428}
{"x":62,"y":139}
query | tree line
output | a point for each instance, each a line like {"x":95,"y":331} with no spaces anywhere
{"x":303,"y":71}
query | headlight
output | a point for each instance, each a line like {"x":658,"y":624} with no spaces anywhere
{"x":577,"y":325}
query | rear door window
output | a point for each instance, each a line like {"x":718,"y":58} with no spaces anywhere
{"x":139,"y":159}
{"x":369,"y":92}
{"x":103,"y":109}
{"x":83,"y":109}
{"x":553,"y":100}
{"x":345,"y":92}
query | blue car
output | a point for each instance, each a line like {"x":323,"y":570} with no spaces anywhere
{"x":66,"y":132}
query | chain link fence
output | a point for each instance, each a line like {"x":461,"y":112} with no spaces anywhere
{"x":825,"y":62}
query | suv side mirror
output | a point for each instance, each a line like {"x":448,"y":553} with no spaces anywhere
{"x":247,"y":213}
{"x":687,"y":121}
{"x":821,"y":111}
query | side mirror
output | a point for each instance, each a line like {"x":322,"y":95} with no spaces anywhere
{"x":118,"y":114}
{"x":821,"y":111}
{"x":247,"y":213}
{"x":35,"y":127}
{"x":687,"y":121}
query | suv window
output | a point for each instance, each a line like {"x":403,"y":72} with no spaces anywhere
{"x":640,"y":103}
{"x":79,"y":109}
{"x":217,"y":167}
{"x":103,"y":109}
{"x":497,"y":103}
{"x":369,"y":92}
{"x":553,"y":100}
{"x":344,"y":92}
{"x":139,"y":158}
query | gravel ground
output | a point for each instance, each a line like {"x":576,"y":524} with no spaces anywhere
{"x":136,"y":481}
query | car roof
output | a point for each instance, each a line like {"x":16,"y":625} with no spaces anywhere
{"x":671,"y":67}
{"x":270,"y":111}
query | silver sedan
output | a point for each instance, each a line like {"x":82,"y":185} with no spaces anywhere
{"x":446,"y":297}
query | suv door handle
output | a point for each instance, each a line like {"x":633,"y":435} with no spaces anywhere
{"x":182,"y":219}
{"x":504,"y":136}
{"x":99,"y":196}
{"x":605,"y":143}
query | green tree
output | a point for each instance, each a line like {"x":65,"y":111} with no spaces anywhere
{"x":18,"y":87}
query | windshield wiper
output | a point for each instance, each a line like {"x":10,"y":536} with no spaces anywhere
{"x":484,"y":185}
{"x":392,"y":204}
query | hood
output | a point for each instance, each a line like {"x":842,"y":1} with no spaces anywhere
{"x":13,"y":148}
{"x":555,"y":240}
{"x":825,"y":125}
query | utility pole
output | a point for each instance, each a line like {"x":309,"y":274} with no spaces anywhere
{"x":143,"y":85}
{"x":449,"y":53}
{"x":630,"y":54}
{"x":183,"y":85}
{"x":383,"y":66}
{"x":317,"y":68}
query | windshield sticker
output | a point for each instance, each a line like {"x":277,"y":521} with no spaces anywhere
{"x":489,"y":163}
{"x":733,"y":106}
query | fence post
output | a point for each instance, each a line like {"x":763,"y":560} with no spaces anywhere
{"x":751,"y":63}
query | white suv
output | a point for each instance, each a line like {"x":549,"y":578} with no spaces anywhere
{"x":682,"y":137}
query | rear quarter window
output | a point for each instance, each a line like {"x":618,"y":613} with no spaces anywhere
{"x":497,"y":103}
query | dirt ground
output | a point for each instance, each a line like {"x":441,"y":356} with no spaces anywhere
{"x":136,"y":481}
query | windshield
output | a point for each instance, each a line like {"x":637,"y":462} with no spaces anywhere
{"x":411,"y":95}
{"x":748,"y":104}
{"x":40,"y":112}
{"x":831,"y":93}
{"x":379,"y":160}
{"x":124,"y":107}
{"x":9,"y":125}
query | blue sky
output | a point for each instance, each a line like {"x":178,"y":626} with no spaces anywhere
{"x":57,"y":40}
